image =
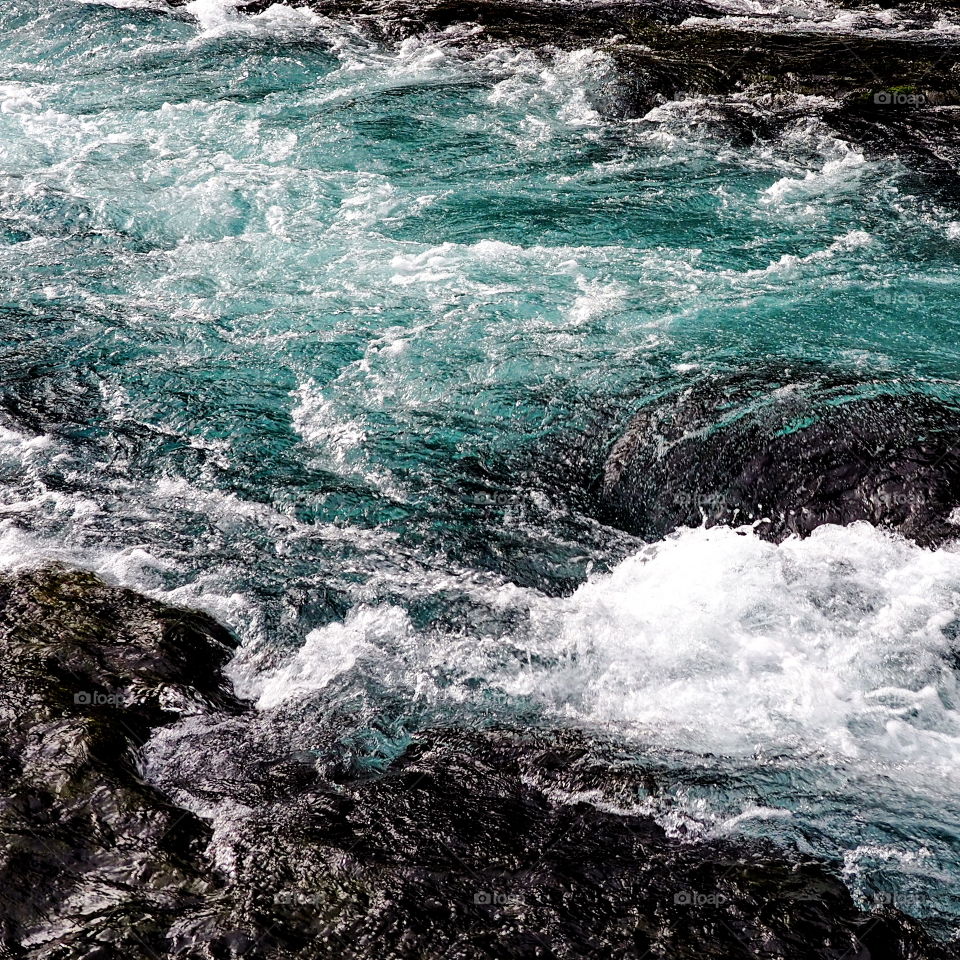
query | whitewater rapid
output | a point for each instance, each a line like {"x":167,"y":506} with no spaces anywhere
{"x":301,"y":330}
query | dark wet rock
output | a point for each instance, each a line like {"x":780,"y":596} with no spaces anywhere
{"x":924,"y":138}
{"x":93,"y":859}
{"x":453,"y":843}
{"x":788,"y":458}
{"x":475,"y":845}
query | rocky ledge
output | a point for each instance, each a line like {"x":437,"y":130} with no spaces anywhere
{"x":89,"y":850}
{"x":466,"y":844}
{"x":894,"y":91}
{"x":787,"y":450}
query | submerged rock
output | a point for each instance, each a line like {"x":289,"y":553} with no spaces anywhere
{"x":787,"y":459}
{"x":465,"y":844}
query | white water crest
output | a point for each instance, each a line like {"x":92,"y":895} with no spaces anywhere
{"x":838,"y":647}
{"x":717,"y":641}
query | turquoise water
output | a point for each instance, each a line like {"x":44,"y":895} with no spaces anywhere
{"x":319,"y":335}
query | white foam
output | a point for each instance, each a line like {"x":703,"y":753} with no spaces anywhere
{"x":821,"y":16}
{"x":791,"y":264}
{"x":19,"y":446}
{"x":837,"y":175}
{"x":717,"y":641}
{"x":563,"y":88}
{"x":330,"y":651}
{"x":316,"y":419}
{"x":596,"y":298}
{"x":713,"y":641}
{"x":18,"y":98}
{"x":220,"y":18}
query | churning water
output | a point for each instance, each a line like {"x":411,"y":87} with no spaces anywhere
{"x":306,"y":330}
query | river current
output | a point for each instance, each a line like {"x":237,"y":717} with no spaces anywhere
{"x":318,"y":335}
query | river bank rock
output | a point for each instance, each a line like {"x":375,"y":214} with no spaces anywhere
{"x":92,"y":858}
{"x":469,"y":846}
{"x":461,"y":844}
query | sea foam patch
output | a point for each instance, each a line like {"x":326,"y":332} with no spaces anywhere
{"x":840,"y":648}
{"x":839,"y":645}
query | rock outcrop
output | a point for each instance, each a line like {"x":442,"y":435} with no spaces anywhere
{"x":737,"y":450}
{"x":94,"y":861}
{"x":464,"y":844}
